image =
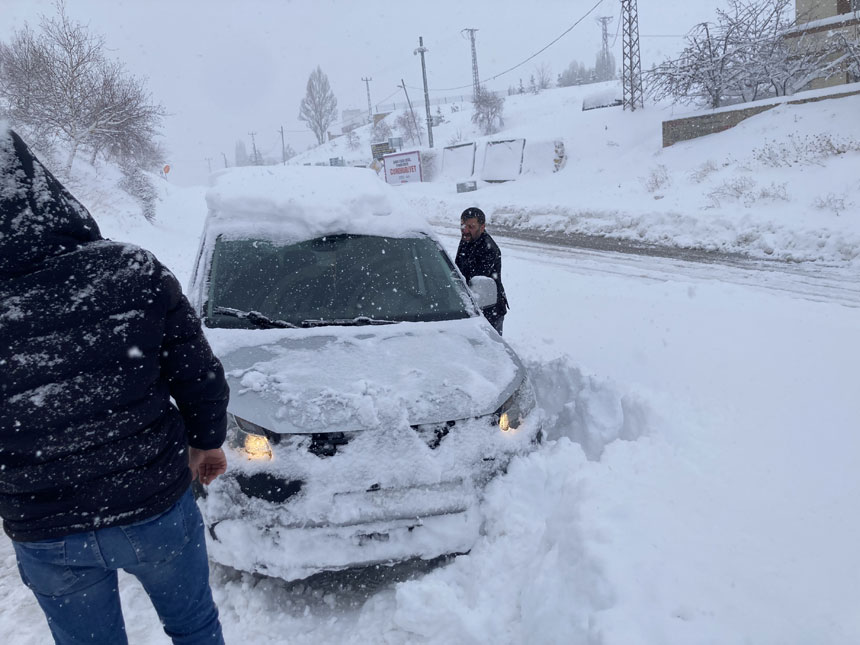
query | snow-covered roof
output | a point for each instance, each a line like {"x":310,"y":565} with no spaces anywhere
{"x":300,"y":202}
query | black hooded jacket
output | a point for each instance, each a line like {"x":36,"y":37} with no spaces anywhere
{"x":95,"y":339}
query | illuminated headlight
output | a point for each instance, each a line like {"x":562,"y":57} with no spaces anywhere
{"x":510,"y":416}
{"x":249,"y":438}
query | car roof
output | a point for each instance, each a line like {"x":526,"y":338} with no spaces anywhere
{"x":303,"y":202}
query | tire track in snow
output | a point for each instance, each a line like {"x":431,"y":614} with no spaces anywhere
{"x":806,"y":280}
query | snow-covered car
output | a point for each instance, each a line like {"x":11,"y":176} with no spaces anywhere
{"x":370,"y":399}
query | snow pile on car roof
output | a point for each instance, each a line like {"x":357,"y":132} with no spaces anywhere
{"x":300,"y":202}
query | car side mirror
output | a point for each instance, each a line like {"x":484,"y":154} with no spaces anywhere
{"x":485,"y":291}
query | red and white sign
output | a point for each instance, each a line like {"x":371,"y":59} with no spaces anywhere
{"x":402,"y":167}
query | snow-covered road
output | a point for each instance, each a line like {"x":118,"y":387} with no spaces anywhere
{"x":699,"y":486}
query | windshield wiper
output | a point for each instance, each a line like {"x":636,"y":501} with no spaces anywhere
{"x":255,"y":317}
{"x":358,"y":321}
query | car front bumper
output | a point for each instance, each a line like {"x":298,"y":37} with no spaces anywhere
{"x":353,"y":529}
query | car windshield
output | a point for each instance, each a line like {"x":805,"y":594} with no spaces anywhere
{"x":332,"y":280}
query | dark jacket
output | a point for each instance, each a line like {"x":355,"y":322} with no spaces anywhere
{"x":96,"y":339}
{"x":483,"y":257}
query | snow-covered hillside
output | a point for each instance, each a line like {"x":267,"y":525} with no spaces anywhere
{"x":782,"y":184}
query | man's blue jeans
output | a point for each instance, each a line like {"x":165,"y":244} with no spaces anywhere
{"x":75,"y":578}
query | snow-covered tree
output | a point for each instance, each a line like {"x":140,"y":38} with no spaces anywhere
{"x":409,"y":126}
{"x":575,"y":74}
{"x":701,"y":74}
{"x":240,"y":154}
{"x":543,"y":76}
{"x":604,"y":66}
{"x":352,"y":140}
{"x":487,"y":111}
{"x":381,"y":131}
{"x":141,"y":187}
{"x":742,"y":57}
{"x":851,"y":47}
{"x":767,"y":63}
{"x":59,"y":85}
{"x":319,"y":107}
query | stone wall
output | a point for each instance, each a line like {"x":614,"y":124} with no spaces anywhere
{"x":698,"y":126}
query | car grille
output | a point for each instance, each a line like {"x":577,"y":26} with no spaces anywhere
{"x":268,"y":487}
{"x":325,"y":444}
{"x":433,"y":433}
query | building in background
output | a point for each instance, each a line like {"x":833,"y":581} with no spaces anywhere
{"x":830,"y":24}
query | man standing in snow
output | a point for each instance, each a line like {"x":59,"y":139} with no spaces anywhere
{"x":478,"y":254}
{"x":95,"y":460}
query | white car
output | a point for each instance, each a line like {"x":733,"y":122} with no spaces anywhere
{"x":370,"y":399}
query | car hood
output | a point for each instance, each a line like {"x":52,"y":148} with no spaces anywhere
{"x":353,"y":378}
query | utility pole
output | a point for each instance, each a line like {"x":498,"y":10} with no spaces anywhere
{"x":283,"y":147}
{"x":411,"y":111}
{"x":209,"y":161}
{"x":225,"y":159}
{"x":631,"y":69}
{"x":421,"y":50}
{"x":254,"y":148}
{"x":476,"y":83}
{"x":604,"y":51}
{"x":369,"y":106}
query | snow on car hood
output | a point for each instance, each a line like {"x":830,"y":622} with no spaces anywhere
{"x":348,"y":378}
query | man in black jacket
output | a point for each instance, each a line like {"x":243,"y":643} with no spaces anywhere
{"x":478,"y":254}
{"x":96,"y":460}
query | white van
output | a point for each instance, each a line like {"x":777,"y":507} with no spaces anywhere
{"x":370,"y":399}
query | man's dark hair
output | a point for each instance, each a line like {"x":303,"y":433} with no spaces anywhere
{"x":471,"y":212}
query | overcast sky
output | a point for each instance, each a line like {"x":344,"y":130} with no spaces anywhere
{"x":226,"y":69}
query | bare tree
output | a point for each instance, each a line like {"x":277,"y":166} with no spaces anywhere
{"x":768,"y":63}
{"x":487,"y":111}
{"x":408,"y":126}
{"x":59,"y":85}
{"x":543,"y":76}
{"x":575,"y":74}
{"x":319,"y":107}
{"x":381,"y":131}
{"x":743,"y":57}
{"x":701,"y":74}
{"x":852,"y":55}
{"x":352,"y":140}
{"x":240,"y":154}
{"x":123,"y":121}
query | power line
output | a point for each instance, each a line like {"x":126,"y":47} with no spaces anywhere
{"x":537,"y":53}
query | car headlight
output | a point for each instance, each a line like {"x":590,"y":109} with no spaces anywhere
{"x":510,"y":415}
{"x":249,"y":438}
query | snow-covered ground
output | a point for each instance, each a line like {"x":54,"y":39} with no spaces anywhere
{"x":701,"y":480}
{"x":782,"y":184}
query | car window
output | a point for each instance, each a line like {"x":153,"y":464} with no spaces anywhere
{"x":337,"y":277}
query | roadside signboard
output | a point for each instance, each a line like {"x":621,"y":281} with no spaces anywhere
{"x":378,"y":150}
{"x":403,"y":167}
